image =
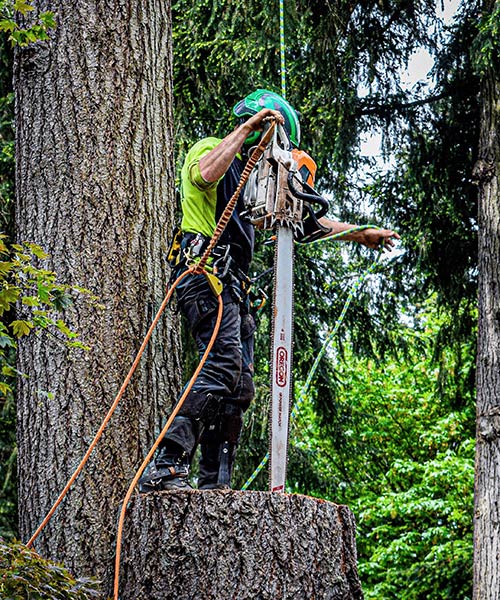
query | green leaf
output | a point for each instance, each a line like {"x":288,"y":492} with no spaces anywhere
{"x":38,"y":251}
{"x":21,"y":256}
{"x":61,"y":325}
{"x":78,"y":345}
{"x":60,"y":299}
{"x":23,"y":7}
{"x":21,"y":328}
{"x":9,"y":371}
{"x":7,"y":25}
{"x":6,"y":341}
{"x":8,"y":297}
{"x":5,"y":388}
{"x":43,"y":292}
{"x":48,"y":19}
{"x":41,"y":319}
{"x":5,"y":267}
{"x":30,"y":301}
{"x":18,"y":37}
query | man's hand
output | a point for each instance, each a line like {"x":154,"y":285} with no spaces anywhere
{"x":256,"y":122}
{"x":377,"y":239}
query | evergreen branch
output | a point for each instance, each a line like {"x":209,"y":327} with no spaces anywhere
{"x":367,"y":108}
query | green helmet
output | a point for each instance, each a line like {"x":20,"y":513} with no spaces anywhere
{"x":265,"y":99}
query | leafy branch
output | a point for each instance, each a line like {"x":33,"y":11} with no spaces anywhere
{"x":39,"y":299}
{"x":23,"y":36}
{"x":24,"y":574}
{"x":486,"y":47}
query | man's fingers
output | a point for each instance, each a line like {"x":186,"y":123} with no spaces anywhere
{"x":386,"y":241}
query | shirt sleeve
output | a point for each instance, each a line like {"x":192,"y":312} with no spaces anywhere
{"x":197,"y":152}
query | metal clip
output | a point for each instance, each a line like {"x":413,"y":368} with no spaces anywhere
{"x":195,"y":247}
{"x":223,"y":260}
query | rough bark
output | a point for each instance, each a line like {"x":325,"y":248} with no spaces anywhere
{"x":487,"y":482}
{"x":238,"y":545}
{"x":95,"y":189}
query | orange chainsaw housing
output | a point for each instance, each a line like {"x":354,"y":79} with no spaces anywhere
{"x":307,"y":166}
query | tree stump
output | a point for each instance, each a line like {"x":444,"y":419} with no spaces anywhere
{"x":229,"y":545}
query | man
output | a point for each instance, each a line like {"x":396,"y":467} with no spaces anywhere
{"x":212,"y":413}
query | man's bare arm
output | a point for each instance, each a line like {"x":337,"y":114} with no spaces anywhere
{"x":216,"y":162}
{"x":371,"y":237}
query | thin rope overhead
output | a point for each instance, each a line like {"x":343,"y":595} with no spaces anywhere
{"x":282,"y":48}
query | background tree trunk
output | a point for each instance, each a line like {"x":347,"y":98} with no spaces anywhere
{"x":487,"y":483}
{"x":95,"y":189}
{"x":238,"y":545}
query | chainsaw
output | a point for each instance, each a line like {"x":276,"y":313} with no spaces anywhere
{"x":279,"y":196}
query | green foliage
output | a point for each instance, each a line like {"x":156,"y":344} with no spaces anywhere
{"x":23,"y":36}
{"x":390,"y":434}
{"x":323,"y":281}
{"x":6,"y":137}
{"x":34,"y":288}
{"x":31,"y":302}
{"x":418,"y":540}
{"x":390,"y":422}
{"x":24,"y":574}
{"x":38,"y":293}
{"x":430,"y":196}
{"x":224,"y":50}
{"x":343,"y":70}
{"x":486,"y":48}
{"x":397,"y":447}
{"x":399,"y":450}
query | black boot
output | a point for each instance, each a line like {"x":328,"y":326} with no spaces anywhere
{"x":169,"y":471}
{"x":218,"y":450}
{"x":216,"y":465}
{"x":209,"y":467}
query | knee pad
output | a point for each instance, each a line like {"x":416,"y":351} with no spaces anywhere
{"x":180,"y":437}
{"x":226,"y":427}
{"x":245,"y":392}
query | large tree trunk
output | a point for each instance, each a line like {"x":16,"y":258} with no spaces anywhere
{"x":238,"y":545}
{"x":487,"y":484}
{"x":95,"y":188}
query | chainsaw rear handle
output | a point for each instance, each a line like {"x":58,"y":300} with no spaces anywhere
{"x":311,"y":196}
{"x":312,"y":229}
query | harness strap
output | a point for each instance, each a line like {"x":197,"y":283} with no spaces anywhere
{"x":191,"y":246}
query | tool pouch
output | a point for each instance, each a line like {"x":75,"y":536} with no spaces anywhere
{"x":197,"y":305}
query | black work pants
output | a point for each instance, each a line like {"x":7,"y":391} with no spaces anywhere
{"x":224,"y":388}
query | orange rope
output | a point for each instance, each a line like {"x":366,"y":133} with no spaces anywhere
{"x":110,"y":412}
{"x":194,"y":269}
{"x":156,"y":444}
{"x":199,"y":268}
